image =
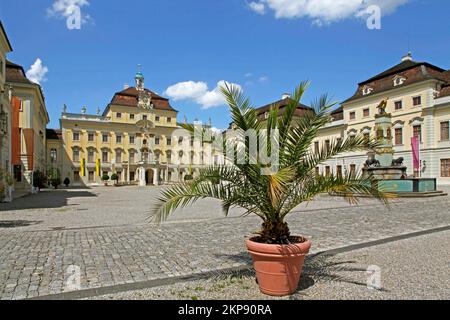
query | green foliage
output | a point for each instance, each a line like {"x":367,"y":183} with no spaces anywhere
{"x":115,"y":177}
{"x":39,"y":179}
{"x":56,"y":182}
{"x":105,"y":177}
{"x":188,"y":177}
{"x":66,"y":182}
{"x":272,"y":197}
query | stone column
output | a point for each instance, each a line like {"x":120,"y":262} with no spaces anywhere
{"x":156,"y":177}
{"x":142,"y":182}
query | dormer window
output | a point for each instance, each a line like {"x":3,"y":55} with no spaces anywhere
{"x":367,"y":90}
{"x":399,"y":80}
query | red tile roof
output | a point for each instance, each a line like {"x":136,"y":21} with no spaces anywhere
{"x":413,"y":72}
{"x":129,"y":98}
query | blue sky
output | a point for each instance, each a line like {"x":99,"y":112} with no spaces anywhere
{"x":205,"y":41}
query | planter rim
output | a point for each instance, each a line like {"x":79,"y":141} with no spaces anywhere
{"x":279,"y":249}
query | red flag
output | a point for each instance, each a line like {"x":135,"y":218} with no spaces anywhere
{"x":415,"y":144}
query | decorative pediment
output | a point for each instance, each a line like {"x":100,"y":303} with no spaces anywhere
{"x":417,"y":121}
{"x":366,"y":90}
{"x":366,"y":130}
{"x":352,"y":133}
{"x":398,"y":124}
{"x":399,"y":80}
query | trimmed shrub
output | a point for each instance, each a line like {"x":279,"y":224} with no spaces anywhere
{"x":66,"y":182}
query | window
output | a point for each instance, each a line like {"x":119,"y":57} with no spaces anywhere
{"x":327,"y":171}
{"x":132,"y":116}
{"x":132,"y":174}
{"x":118,"y":139}
{"x":119,"y":115}
{"x":157,"y":140}
{"x":445,"y":168}
{"x":398,"y":105}
{"x":144,"y":117}
{"x":366,"y":138}
{"x":398,"y":136}
{"x":76,"y":155}
{"x":53,"y":156}
{"x":169,"y":141}
{"x":327,"y":145}
{"x":157,"y":118}
{"x":91,"y":176}
{"x":180,"y":141}
{"x":339,"y":171}
{"x":118,"y":156}
{"x":366,"y":113}
{"x":192,"y":141}
{"x":105,"y":138}
{"x":76,"y":176}
{"x":417,"y":132}
{"x":105,"y":173}
{"x":76,"y":136}
{"x":90,"y":137}
{"x":132,"y":139}
{"x":132,"y":156}
{"x":417,"y":101}
{"x":316,"y":147}
{"x":352,"y":115}
{"x":169,"y":157}
{"x":169,"y":119}
{"x":445,"y":132}
{"x":91,"y":156}
{"x":353,"y":170}
{"x":105,"y":157}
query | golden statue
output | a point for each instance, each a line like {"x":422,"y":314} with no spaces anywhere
{"x":382,"y":106}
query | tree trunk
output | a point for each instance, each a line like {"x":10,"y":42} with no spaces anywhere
{"x":275,"y":232}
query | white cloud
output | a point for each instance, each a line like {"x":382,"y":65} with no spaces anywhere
{"x":188,"y":90}
{"x":249,"y":75}
{"x":263,"y":79}
{"x":37,"y":72}
{"x":64,"y":9}
{"x":199,"y":93}
{"x":327,"y":11}
{"x":258,"y":7}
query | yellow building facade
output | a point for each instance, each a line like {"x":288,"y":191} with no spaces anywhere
{"x":418,"y":96}
{"x":137,"y":137}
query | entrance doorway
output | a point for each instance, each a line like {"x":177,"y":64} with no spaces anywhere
{"x":149,"y":176}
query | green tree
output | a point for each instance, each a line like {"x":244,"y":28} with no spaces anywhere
{"x":273,"y":197}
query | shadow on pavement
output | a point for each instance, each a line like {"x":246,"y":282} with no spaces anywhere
{"x":46,"y":199}
{"x":317,"y":268}
{"x":10,"y":224}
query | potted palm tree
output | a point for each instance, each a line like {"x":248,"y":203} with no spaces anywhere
{"x":278,"y":255}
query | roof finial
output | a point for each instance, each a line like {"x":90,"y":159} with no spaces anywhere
{"x":408,"y":57}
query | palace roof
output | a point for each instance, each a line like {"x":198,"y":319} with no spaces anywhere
{"x":411,"y":72}
{"x":16,"y":73}
{"x":54,"y":134}
{"x":129,"y":98}
{"x":281,"y":105}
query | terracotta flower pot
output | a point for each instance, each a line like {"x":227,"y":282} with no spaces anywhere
{"x":278,"y":267}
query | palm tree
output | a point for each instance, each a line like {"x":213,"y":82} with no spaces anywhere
{"x":272,"y":197}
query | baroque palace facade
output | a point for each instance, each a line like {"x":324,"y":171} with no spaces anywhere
{"x":137,"y":137}
{"x":418,"y":96}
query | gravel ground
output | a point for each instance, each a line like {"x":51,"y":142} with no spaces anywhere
{"x":415,"y":268}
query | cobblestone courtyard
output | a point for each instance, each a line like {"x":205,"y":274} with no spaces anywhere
{"x":104,"y":232}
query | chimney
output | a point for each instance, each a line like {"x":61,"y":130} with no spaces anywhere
{"x":408,"y":57}
{"x":285,"y":96}
{"x":126,"y":86}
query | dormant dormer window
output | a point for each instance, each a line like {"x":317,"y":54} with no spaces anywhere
{"x":399,"y":80}
{"x":367,"y":90}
